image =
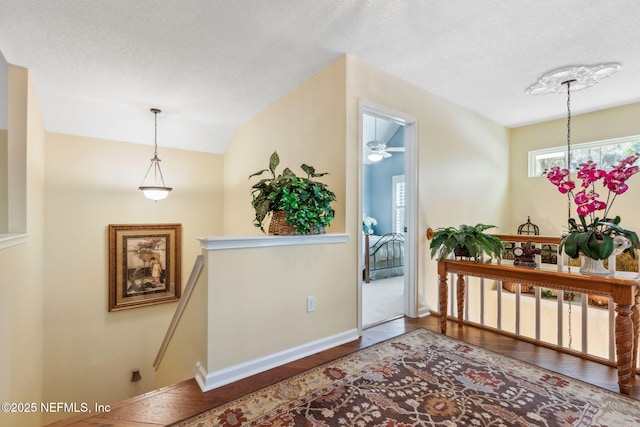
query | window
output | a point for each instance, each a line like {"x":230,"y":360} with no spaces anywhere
{"x":398,"y":194}
{"x":605,"y":153}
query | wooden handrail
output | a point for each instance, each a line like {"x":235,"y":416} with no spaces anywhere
{"x":523,"y":238}
{"x":197,"y":268}
{"x":622,"y":288}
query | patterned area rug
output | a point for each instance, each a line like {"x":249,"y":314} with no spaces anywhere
{"x":426,"y":379}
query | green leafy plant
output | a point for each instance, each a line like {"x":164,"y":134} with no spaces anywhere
{"x":547,"y":293}
{"x":307,"y":203}
{"x":472,"y":238}
{"x":598,"y":239}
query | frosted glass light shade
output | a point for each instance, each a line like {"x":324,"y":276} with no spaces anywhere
{"x":155,"y":193}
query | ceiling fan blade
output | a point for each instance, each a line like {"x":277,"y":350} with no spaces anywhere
{"x":376,"y":145}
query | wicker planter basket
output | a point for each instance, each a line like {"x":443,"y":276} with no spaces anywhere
{"x":511,"y":287}
{"x":280,"y":227}
{"x":598,"y":301}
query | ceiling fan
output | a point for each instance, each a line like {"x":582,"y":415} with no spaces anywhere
{"x":377,"y":150}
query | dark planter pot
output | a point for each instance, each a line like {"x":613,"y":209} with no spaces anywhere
{"x":461,"y":252}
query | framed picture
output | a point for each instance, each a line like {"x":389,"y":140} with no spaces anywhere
{"x":144,"y":265}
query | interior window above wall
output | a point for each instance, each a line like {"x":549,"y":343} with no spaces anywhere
{"x":604,"y":153}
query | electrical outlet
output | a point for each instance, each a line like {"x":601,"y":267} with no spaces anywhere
{"x":311,"y":304}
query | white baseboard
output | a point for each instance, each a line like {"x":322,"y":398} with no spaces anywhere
{"x":210,"y":380}
{"x":424,"y":311}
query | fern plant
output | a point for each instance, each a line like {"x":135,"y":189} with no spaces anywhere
{"x":472,"y":238}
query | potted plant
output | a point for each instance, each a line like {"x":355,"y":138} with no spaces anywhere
{"x":593,"y":238}
{"x":466,"y":241}
{"x":301,"y":204}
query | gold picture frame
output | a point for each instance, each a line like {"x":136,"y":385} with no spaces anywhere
{"x":144,"y":265}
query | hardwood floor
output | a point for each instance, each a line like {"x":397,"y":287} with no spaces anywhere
{"x":183,"y":400}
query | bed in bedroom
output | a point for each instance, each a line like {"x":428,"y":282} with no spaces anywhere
{"x":384,"y":256}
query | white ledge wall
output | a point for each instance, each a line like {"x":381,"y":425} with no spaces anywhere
{"x":238,"y":242}
{"x":257,"y":288}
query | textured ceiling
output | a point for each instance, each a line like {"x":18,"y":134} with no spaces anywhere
{"x":99,"y":65}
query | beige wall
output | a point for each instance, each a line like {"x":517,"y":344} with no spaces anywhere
{"x":21,"y":271}
{"x":90,"y":184}
{"x":462,"y":160}
{"x":260,"y":309}
{"x":4,"y":104}
{"x":307,"y":125}
{"x":3,"y":182}
{"x":258,"y":301}
{"x":538,"y":198}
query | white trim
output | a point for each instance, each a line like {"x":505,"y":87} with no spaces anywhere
{"x":410,"y":124}
{"x":210,"y":380}
{"x":424,"y":312}
{"x":201,"y":376}
{"x":8,"y":240}
{"x":411,"y":217}
{"x":241,"y":242}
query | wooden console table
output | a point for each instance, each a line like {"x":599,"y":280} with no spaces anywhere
{"x":622,"y":289}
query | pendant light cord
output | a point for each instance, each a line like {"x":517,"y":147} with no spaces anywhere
{"x":155,"y":134}
{"x":570,"y":296}
{"x":568,"y":83}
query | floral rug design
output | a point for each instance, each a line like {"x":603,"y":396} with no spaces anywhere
{"x":425,"y":379}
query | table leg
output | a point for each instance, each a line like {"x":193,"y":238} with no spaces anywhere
{"x":444,"y":296}
{"x":460,"y":285}
{"x":624,"y":347}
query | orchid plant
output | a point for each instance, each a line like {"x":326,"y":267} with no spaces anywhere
{"x":595,"y":237}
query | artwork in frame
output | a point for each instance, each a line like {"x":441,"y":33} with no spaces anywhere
{"x":144,"y":265}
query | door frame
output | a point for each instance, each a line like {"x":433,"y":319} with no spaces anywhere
{"x":410,"y":124}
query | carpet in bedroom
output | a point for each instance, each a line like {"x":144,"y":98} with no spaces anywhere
{"x":382,"y":300}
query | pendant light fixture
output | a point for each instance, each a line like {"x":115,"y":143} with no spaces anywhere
{"x":156,"y":188}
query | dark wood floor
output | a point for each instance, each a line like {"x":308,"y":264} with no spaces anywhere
{"x":183,"y":400}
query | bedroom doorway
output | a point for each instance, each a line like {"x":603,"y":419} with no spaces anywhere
{"x":387,"y":288}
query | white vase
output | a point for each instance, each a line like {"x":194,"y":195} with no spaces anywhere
{"x":593,"y":267}
{"x":620,"y":243}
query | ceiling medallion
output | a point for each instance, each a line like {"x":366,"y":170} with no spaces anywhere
{"x":581,"y":77}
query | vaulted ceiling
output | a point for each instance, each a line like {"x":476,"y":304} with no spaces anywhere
{"x":99,"y":65}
